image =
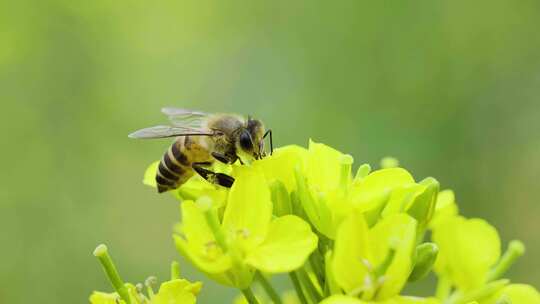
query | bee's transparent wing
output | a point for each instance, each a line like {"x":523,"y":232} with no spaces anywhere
{"x":185,"y":118}
{"x":172,"y":111}
{"x":169,"y":131}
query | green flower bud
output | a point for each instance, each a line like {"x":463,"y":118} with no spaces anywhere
{"x":175,"y":270}
{"x":425,"y":257}
{"x":423,"y":207}
{"x":346,"y":162}
{"x":362,"y":172}
{"x":389,"y":162}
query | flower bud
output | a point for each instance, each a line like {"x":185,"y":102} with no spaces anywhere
{"x":425,"y":257}
{"x":362,"y":172}
{"x":389,"y":162}
{"x":175,"y":270}
{"x":423,"y":207}
{"x":346,"y":162}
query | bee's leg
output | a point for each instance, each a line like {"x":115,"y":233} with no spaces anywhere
{"x":213,"y":177}
{"x":269,"y":132}
{"x":222,"y":158}
{"x":226,"y":159}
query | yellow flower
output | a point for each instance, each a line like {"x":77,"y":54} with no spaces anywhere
{"x":252,"y":239}
{"x":374,"y":262}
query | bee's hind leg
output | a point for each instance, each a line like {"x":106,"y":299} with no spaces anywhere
{"x":213,"y":177}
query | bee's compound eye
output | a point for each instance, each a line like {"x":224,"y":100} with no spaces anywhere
{"x":245,"y":141}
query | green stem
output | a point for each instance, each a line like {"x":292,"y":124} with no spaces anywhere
{"x":381,"y":269}
{"x":212,"y":220}
{"x":250,"y":297}
{"x":345,"y":172}
{"x":311,"y":290}
{"x":443,"y":288}
{"x":515,"y":250}
{"x":325,"y":244}
{"x":317,"y":264}
{"x":268,"y":288}
{"x":298,"y":287}
{"x":175,"y":270}
{"x":101,"y":252}
{"x":478,"y":294}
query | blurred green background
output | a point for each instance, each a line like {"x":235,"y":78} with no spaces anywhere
{"x":451,"y":88}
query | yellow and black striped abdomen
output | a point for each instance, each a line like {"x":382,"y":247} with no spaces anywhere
{"x":175,"y":166}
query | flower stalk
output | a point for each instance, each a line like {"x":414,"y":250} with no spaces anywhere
{"x":298,"y":287}
{"x":515,"y":250}
{"x":210,"y":214}
{"x":175,"y":270}
{"x":102,"y":253}
{"x":308,"y":285}
{"x":270,"y":291}
{"x":250,"y":297}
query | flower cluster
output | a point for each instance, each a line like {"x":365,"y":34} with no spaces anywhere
{"x":175,"y":291}
{"x":340,"y":237}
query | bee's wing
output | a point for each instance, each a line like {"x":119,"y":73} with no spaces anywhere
{"x":172,"y":111}
{"x":169,"y":131}
{"x":185,"y":118}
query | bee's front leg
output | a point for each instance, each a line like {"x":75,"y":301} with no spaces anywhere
{"x":213,"y":177}
{"x":226,"y":159}
{"x":222,"y":158}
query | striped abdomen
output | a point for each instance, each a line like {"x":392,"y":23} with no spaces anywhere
{"x":175,"y":166}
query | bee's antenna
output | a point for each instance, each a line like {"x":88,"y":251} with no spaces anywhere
{"x":269,"y":132}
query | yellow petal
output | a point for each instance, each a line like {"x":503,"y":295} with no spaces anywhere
{"x":350,"y":260}
{"x":149,"y":178}
{"x":287,"y":246}
{"x":342,"y":299}
{"x":397,"y":232}
{"x":249,"y":208}
{"x":468,"y":249}
{"x":379,"y":183}
{"x":281,"y":164}
{"x":323,"y":167}
{"x":175,"y":292}
{"x":516,"y":293}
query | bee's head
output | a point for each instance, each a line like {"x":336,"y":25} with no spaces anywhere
{"x":250,"y":140}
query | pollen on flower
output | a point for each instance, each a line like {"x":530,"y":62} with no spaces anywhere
{"x":368,"y":282}
{"x":367,"y":264}
{"x":243,"y":233}
{"x":381,"y":280}
{"x":151,"y":280}
{"x":204,"y":203}
{"x":212,"y":250}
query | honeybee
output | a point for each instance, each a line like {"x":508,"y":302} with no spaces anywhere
{"x":202,"y":138}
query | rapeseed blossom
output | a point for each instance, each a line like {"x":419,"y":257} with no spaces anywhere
{"x":174,"y":291}
{"x":341,"y":237}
